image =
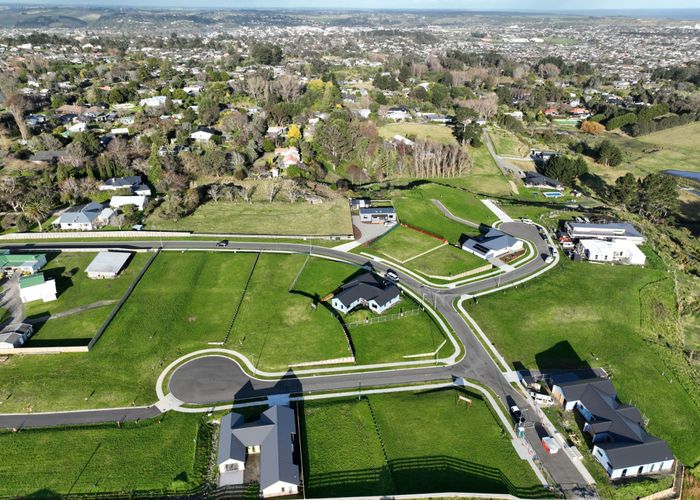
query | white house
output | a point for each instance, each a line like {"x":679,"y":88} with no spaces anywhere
{"x":202,"y":136}
{"x":287,"y":157}
{"x":153,"y":102}
{"x":492,"y":244}
{"x":619,"y":251}
{"x":377,"y":215}
{"x":620,"y":442}
{"x":77,"y":127}
{"x":604,"y":231}
{"x":367,"y":290}
{"x":136,"y":201}
{"x":36,"y":287}
{"x":398,"y":114}
{"x":272,"y":438}
{"x":80,"y":217}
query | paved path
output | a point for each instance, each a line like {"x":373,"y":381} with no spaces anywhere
{"x":502,"y":216}
{"x":450,"y":215}
{"x":10,"y":301}
{"x":505,"y":166}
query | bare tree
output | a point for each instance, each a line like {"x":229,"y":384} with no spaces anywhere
{"x":229,"y":192}
{"x":214,"y":192}
{"x":288,"y":87}
{"x":257,"y":87}
{"x":548,"y":70}
{"x":273,"y":187}
{"x":15,"y":102}
{"x":292,"y":191}
{"x":247,"y":193}
{"x":487,"y":106}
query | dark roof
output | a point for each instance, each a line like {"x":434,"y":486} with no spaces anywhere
{"x":368,"y":287}
{"x":493,"y":239}
{"x":273,"y":433}
{"x":377,"y":210}
{"x":123,"y":182}
{"x":537,"y":179}
{"x":627,"y":444}
{"x":49,"y":156}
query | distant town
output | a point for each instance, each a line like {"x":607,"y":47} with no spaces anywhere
{"x":322,"y":254}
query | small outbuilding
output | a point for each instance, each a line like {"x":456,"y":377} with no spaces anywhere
{"x":36,"y":287}
{"x":107,"y":265}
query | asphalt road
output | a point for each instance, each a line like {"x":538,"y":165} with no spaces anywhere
{"x":215,"y":379}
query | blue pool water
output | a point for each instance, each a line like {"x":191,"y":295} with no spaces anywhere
{"x":553,"y":194}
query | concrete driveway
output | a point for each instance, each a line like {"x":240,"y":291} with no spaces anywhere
{"x":10,"y":300}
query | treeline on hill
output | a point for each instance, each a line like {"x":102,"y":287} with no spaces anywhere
{"x":646,"y":119}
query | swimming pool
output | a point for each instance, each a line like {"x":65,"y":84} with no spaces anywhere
{"x":553,"y":194}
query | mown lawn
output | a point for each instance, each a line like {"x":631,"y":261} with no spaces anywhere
{"x":332,"y":217}
{"x":416,"y":208}
{"x":432,"y":444}
{"x":585,"y":314}
{"x":73,"y":330}
{"x":162,"y":457}
{"x":417,"y":131}
{"x":184,"y":301}
{"x":275,"y":327}
{"x":403,"y":243}
{"x":446,"y":261}
{"x":383,"y":342}
{"x":75,"y":289}
{"x":377,"y":342}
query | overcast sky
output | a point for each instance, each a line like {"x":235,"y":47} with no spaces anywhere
{"x":532,"y":5}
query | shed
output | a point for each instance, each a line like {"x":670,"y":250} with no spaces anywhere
{"x":36,"y":287}
{"x":107,"y":265}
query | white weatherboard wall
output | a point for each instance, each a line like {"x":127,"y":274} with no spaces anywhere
{"x":45,"y":291}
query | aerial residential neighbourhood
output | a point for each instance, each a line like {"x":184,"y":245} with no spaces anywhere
{"x":435,"y":249}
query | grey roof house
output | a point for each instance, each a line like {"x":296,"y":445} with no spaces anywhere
{"x":268,"y":441}
{"x":80,"y":217}
{"x":491,"y":244}
{"x":537,"y":180}
{"x":107,"y":265}
{"x":620,"y":442}
{"x":368,"y":290}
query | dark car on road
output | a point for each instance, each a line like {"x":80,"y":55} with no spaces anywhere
{"x":222,"y":243}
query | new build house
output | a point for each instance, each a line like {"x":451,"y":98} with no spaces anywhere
{"x":620,"y":443}
{"x":607,"y":242}
{"x":621,"y":251}
{"x":261,"y":451}
{"x":604,"y":231}
{"x":377,"y":215}
{"x":367,"y":290}
{"x":36,"y":287}
{"x":493,"y":243}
